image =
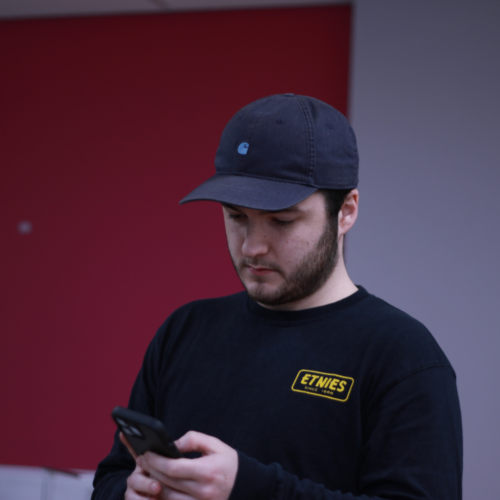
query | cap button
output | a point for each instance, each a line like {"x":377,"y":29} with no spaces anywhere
{"x":289,"y":95}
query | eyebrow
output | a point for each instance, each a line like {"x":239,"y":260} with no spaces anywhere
{"x":293,"y":209}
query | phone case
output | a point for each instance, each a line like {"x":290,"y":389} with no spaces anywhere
{"x":144,"y":433}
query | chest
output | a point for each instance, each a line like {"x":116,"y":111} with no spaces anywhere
{"x":277,"y":398}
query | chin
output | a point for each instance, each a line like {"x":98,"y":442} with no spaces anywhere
{"x":261,"y":292}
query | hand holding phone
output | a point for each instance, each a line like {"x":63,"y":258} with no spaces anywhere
{"x":144,"y":433}
{"x":151,"y":476}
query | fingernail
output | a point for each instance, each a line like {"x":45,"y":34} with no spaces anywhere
{"x":153,"y":487}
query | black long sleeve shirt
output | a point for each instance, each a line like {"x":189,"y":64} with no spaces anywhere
{"x":352,"y":400}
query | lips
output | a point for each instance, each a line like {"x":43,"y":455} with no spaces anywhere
{"x":260,"y":271}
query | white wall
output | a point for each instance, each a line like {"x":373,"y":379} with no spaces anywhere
{"x":426,"y":110}
{"x":39,"y":483}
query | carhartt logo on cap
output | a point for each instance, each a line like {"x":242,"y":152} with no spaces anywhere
{"x":243,"y":148}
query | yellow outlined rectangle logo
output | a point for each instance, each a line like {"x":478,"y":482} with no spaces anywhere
{"x":325,"y":385}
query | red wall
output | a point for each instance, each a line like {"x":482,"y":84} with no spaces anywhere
{"x":105,"y":123}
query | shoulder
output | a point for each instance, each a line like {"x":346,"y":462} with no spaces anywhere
{"x":397,"y":339}
{"x":199,"y":313}
{"x":192,"y":323}
{"x":382,"y":315}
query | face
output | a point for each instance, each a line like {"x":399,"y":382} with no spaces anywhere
{"x":282,"y":257}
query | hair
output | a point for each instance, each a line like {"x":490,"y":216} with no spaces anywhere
{"x":334,"y":199}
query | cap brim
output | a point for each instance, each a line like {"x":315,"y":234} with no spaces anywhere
{"x":250,"y":192}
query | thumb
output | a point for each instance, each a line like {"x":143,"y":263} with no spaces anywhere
{"x":197,"y":441}
{"x":123,"y":439}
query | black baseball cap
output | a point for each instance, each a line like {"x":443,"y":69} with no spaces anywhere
{"x":277,"y":151}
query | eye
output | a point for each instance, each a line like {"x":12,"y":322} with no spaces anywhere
{"x":235,"y":216}
{"x":282,"y":222}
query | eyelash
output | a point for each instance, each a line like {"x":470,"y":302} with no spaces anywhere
{"x":283,"y":222}
{"x":279,"y":222}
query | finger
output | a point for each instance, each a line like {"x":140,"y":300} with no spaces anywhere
{"x":197,"y":441}
{"x":171,"y":494}
{"x":142,"y":484}
{"x":170,"y":470}
{"x":160,"y":469}
{"x":190,"y":477}
{"x":123,"y":439}
{"x":132,"y":495}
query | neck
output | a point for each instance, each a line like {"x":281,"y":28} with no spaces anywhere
{"x":337,"y":287}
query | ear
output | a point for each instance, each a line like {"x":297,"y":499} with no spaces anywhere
{"x":349,"y":212}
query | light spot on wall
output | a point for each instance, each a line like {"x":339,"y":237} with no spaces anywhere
{"x":25,"y":227}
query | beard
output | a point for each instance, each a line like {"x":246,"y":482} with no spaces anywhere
{"x":310,"y":274}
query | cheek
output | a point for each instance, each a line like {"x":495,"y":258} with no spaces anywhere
{"x":293,"y":249}
{"x":234,"y":239}
{"x":296,"y":246}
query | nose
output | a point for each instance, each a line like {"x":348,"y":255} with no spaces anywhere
{"x":256,"y":242}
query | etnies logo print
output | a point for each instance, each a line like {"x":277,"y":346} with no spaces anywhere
{"x":326,"y":385}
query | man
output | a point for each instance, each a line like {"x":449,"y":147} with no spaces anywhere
{"x":305,"y":385}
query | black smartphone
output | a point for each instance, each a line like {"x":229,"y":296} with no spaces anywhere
{"x":144,"y":433}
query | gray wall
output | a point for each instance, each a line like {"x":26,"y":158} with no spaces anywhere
{"x":426,"y":110}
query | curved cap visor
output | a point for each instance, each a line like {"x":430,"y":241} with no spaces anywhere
{"x":250,"y":192}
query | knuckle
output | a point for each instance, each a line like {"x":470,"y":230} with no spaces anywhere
{"x":135,"y":482}
{"x":171,"y":469}
{"x":210,"y":476}
{"x":130,"y":480}
{"x":207,"y":492}
{"x":130,"y":494}
{"x":189,"y":437}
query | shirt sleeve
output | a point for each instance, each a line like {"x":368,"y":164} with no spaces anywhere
{"x":112,"y":473}
{"x":412,"y":449}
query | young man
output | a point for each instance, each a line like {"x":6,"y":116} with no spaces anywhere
{"x":305,"y":385}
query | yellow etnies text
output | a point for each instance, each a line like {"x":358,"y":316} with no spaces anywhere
{"x":325,"y":385}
